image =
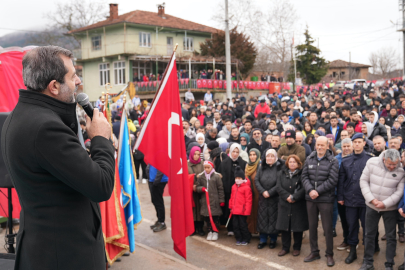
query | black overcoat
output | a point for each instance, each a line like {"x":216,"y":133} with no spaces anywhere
{"x":297,"y":211}
{"x":58,"y":185}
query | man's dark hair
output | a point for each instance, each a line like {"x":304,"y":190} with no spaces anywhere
{"x":224,"y":117}
{"x":248,"y":121}
{"x":214,"y":130}
{"x":238,"y":120}
{"x":283,"y":114}
{"x":235,"y":128}
{"x":209,"y":122}
{"x":345,"y":108}
{"x":334,"y":117}
{"x":228,"y":120}
{"x":42,"y":65}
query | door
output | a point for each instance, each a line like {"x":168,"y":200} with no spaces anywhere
{"x":169,"y":45}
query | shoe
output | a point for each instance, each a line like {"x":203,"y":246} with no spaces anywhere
{"x":283,"y":252}
{"x":384,"y":237}
{"x":238,"y":243}
{"x":231,"y":234}
{"x":209,"y":236}
{"x":365,"y":266}
{"x":401,"y":267}
{"x":401,"y":238}
{"x":118,"y":260}
{"x":200,"y":230}
{"x":154,"y":225}
{"x":126,"y":254}
{"x":144,"y":181}
{"x":160,"y":227}
{"x":243,"y":243}
{"x":214,"y":236}
{"x":377,"y":248}
{"x":352,"y":255}
{"x":272,"y":244}
{"x":334,"y":233}
{"x":330,"y":261}
{"x":296,"y":253}
{"x":312,"y":257}
{"x":388,"y":266}
{"x":348,"y":248}
{"x":194,"y":233}
{"x":342,"y":246}
{"x":261,"y":245}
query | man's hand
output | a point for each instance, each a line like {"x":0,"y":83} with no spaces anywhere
{"x":266,"y":194}
{"x":374,"y":202}
{"x":195,"y":188}
{"x":380,"y":205}
{"x":99,"y":126}
{"x":401,"y":212}
{"x":341,"y":202}
{"x":289,"y":199}
{"x":313,"y":194}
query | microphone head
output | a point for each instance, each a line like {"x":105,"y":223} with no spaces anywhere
{"x":82,"y":99}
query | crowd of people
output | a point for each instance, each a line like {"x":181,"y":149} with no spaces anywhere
{"x":280,"y":163}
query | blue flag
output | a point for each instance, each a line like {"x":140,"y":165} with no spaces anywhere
{"x":129,"y":188}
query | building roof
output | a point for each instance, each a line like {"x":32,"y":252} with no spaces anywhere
{"x":344,"y":64}
{"x":151,"y":19}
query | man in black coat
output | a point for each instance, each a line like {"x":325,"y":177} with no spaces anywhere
{"x":257,"y":142}
{"x":320,"y":177}
{"x":349,"y":192}
{"x":59,"y":186}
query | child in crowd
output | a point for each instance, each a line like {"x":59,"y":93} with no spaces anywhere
{"x":211,"y":182}
{"x":396,"y":128}
{"x":241,"y":206}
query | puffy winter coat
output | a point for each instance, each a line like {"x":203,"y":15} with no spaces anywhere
{"x":321,"y":176}
{"x":215,"y":191}
{"x":379,"y":129}
{"x":377,"y":182}
{"x":350,"y":172}
{"x":294,"y":149}
{"x":291,"y":215}
{"x":241,"y":199}
{"x":266,"y":180}
{"x":259,"y":109}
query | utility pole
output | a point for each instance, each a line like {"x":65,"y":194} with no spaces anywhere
{"x":350,"y":66}
{"x":402,"y":8}
{"x":228,"y":54}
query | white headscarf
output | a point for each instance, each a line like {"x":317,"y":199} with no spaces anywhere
{"x":200,"y":135}
{"x":376,"y":118}
{"x":221,"y":140}
{"x":233,"y":146}
{"x":273,"y":152}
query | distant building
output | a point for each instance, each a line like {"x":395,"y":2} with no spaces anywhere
{"x":124,"y":47}
{"x":340,"y":70}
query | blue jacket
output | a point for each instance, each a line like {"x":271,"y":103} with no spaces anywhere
{"x":156,"y":176}
{"x":339,"y":158}
{"x":351,"y":168}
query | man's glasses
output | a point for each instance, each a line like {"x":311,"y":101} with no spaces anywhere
{"x":255,"y":134}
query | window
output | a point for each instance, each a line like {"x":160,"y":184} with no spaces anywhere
{"x":119,"y":72}
{"x":104,"y":73}
{"x":188,"y":44}
{"x":334,"y":74}
{"x":96,"y":43}
{"x":140,"y":68}
{"x":144,"y":39}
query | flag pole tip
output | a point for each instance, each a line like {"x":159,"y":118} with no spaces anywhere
{"x":175,"y":47}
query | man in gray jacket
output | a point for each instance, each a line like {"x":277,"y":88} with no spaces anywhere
{"x":320,"y":177}
{"x":382,"y":185}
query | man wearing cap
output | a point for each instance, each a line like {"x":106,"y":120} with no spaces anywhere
{"x":291,"y":148}
{"x":257,"y":142}
{"x":262,"y":108}
{"x":349,"y":192}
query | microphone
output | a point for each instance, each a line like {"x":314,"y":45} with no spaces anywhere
{"x":83,"y":101}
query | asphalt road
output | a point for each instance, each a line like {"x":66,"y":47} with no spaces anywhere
{"x":155,"y":250}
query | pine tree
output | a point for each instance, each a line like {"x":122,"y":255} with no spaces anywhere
{"x":310,"y":64}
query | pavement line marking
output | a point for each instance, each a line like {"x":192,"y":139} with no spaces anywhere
{"x":189,"y":265}
{"x":232,"y":250}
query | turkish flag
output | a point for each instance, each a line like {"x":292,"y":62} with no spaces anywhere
{"x":204,"y":82}
{"x":161,"y":140}
{"x":209,"y":83}
{"x":215,"y":84}
{"x":154,"y":83}
{"x":220,"y":84}
{"x":199,"y":83}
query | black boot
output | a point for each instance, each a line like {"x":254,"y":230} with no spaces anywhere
{"x":200,"y":230}
{"x":352,"y":255}
{"x":195,"y":228}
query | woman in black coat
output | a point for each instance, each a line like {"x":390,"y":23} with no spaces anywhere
{"x":227,"y":169}
{"x":292,"y":209}
{"x":266,"y":184}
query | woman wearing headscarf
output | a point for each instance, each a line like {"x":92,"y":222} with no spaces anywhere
{"x":227,"y":170}
{"x":196,"y":166}
{"x":250,"y":172}
{"x":266,"y":184}
{"x":292,"y":210}
{"x":200,"y":138}
{"x":244,"y":141}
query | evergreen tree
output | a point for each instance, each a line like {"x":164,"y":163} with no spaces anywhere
{"x":310,"y":64}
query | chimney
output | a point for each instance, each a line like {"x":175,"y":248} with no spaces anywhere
{"x":161,"y":10}
{"x":113,"y":11}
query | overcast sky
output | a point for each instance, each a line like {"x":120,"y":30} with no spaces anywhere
{"x":342,"y":26}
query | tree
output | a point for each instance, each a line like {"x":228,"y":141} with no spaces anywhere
{"x":384,"y":61}
{"x":241,"y":48}
{"x":309,"y":63}
{"x":68,"y":16}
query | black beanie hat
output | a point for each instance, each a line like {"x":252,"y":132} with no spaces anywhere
{"x":212,"y":145}
{"x":239,"y":172}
